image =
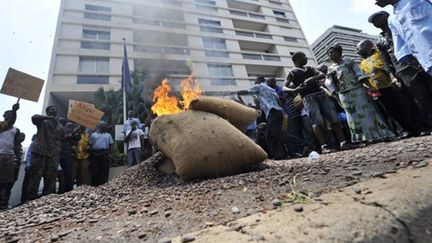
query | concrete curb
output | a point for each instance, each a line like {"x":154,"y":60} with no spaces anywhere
{"x":395,"y":209}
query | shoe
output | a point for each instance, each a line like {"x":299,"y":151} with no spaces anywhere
{"x":347,"y":146}
{"x":406,"y":135}
{"x":325,"y":149}
{"x":390,"y":139}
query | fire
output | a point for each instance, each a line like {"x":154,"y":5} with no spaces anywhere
{"x":165,"y":103}
{"x":190,"y":91}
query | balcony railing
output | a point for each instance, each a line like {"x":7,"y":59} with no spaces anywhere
{"x":261,"y":57}
{"x":247,"y":14}
{"x":253,"y":34}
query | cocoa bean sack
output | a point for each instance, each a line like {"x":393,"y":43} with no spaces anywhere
{"x":204,"y":145}
{"x":237,"y":114}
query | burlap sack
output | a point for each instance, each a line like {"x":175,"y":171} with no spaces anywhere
{"x":237,"y":114}
{"x":204,"y":145}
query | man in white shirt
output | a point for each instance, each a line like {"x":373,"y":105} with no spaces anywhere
{"x":133,"y":138}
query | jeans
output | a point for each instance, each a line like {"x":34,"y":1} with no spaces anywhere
{"x":134,"y":156}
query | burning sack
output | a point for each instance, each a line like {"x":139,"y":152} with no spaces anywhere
{"x":237,"y":114}
{"x":204,"y":145}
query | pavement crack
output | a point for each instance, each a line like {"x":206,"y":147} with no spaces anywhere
{"x":407,"y":229}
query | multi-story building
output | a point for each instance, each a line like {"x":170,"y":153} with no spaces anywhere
{"x":227,"y":43}
{"x":346,"y":37}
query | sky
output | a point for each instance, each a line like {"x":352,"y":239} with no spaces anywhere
{"x":27,"y":29}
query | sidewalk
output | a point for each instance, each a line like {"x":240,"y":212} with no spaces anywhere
{"x":397,"y":208}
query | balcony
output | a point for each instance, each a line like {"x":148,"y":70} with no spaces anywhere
{"x":247,"y":14}
{"x":253,"y":34}
{"x":259,"y":51}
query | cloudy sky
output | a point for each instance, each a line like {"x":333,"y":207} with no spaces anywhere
{"x":27,"y":29}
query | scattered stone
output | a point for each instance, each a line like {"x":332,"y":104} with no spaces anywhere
{"x":277,"y":203}
{"x":298,"y":208}
{"x":357,"y":173}
{"x":92,"y":221}
{"x":132,"y":212}
{"x":235,"y":210}
{"x":167,"y":214}
{"x":142,"y":236}
{"x":357,"y":190}
{"x":378,"y":174}
{"x":421,"y":164}
{"x":164,"y":240}
{"x":154,"y":212}
{"x":187,"y":238}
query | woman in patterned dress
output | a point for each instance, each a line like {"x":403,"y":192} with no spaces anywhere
{"x":364,"y":122}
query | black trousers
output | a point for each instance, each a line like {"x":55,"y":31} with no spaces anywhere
{"x":401,"y":108}
{"x":99,"y":167}
{"x":278,"y":140}
{"x":420,"y":87}
{"x":66,"y":165}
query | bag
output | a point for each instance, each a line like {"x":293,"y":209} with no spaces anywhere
{"x":237,"y":114}
{"x":204,"y":145}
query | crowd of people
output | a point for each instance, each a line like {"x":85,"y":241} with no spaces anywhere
{"x":63,"y":153}
{"x":388,"y":96}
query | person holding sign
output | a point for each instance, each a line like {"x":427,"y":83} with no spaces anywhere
{"x":10,"y":155}
{"x":46,"y":152}
{"x":100,"y":148}
{"x":133,"y":138}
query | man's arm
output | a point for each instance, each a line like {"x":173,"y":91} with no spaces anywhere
{"x":287,"y":83}
{"x":401,"y":49}
{"x":37,"y":119}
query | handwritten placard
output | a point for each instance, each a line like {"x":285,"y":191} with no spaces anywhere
{"x":22,"y":85}
{"x":84,"y":114}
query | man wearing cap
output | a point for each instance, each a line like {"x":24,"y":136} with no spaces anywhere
{"x":416,"y":80}
{"x":411,"y":28}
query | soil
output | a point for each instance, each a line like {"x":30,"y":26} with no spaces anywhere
{"x":144,"y":205}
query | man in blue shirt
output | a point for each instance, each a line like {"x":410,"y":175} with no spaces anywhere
{"x":270,"y":105}
{"x":411,"y":28}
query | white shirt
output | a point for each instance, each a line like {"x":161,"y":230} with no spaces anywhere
{"x":135,"y":138}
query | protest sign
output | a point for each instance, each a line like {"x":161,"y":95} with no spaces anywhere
{"x":22,"y":85}
{"x":84,"y":114}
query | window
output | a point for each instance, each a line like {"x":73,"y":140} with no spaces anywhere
{"x":98,"y":12}
{"x":244,"y":33}
{"x":290,"y":39}
{"x":214,"y":43}
{"x":149,"y":49}
{"x":264,"y":36}
{"x":93,"y":65}
{"x":94,"y":45}
{"x":95,"y":35}
{"x":83,"y":79}
{"x":216,"y":53}
{"x":220,"y":70}
{"x":279,"y":13}
{"x":210,"y":24}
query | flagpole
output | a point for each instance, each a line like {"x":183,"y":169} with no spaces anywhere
{"x":124,"y":97}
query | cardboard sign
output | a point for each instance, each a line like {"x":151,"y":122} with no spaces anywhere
{"x":84,"y":114}
{"x":22,"y":85}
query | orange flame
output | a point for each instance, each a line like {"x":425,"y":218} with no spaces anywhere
{"x":190,"y":91}
{"x":166,"y":103}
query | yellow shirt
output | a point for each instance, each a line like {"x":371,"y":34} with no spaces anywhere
{"x":81,"y":150}
{"x":373,"y":66}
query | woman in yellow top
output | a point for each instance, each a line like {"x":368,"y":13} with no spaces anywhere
{"x":81,"y":165}
{"x":392,"y":98}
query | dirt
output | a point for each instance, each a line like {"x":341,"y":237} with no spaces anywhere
{"x":144,"y":205}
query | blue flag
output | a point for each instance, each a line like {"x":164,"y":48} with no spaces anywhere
{"x":126,"y":76}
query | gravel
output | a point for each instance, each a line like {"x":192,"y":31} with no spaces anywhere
{"x":134,"y":205}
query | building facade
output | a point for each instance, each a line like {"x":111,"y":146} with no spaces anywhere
{"x":226,"y":44}
{"x":346,"y":37}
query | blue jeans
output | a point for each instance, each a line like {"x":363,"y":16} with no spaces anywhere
{"x":134,"y":156}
